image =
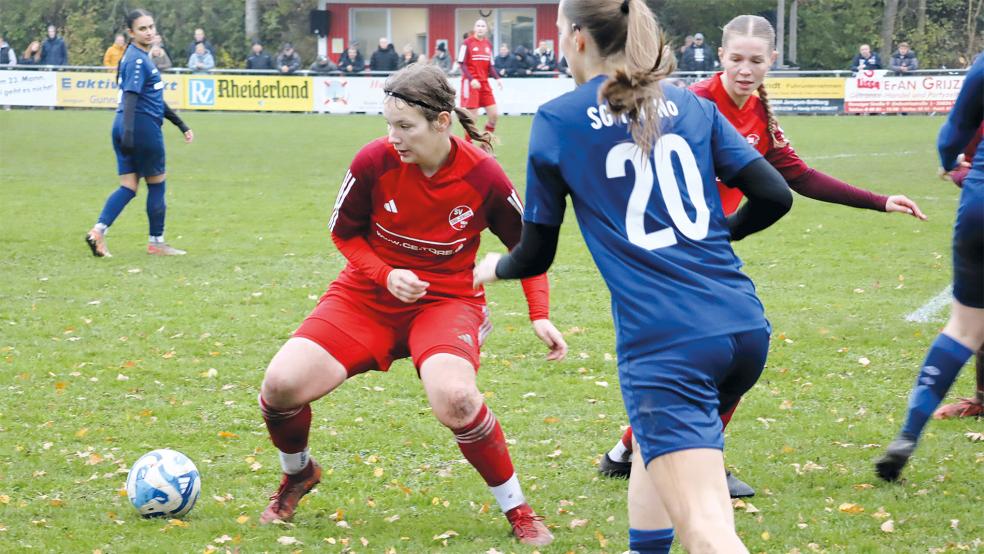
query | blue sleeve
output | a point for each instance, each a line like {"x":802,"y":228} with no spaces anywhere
{"x":133,"y":75}
{"x":546,"y":190}
{"x":730,"y":150}
{"x":965,"y":117}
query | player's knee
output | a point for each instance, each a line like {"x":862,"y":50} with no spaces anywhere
{"x":279,"y":388}
{"x":457,"y":404}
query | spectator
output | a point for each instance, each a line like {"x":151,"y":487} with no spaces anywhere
{"x":544,"y":57}
{"x":687,"y":41}
{"x":160,"y":58}
{"x":963,"y":62}
{"x":201,"y":61}
{"x":384,"y":58}
{"x":699,"y":56}
{"x":113,"y":54}
{"x":259,"y":59}
{"x":408,"y":57}
{"x":441,"y":58}
{"x":7,"y":54}
{"x":504,"y":61}
{"x":288,"y":61}
{"x":53,"y":51}
{"x":522,"y":62}
{"x":323,"y":66}
{"x":422,"y":58}
{"x":865,"y":59}
{"x":199,"y":39}
{"x":351,"y":61}
{"x":904,"y":60}
{"x":32,"y":54}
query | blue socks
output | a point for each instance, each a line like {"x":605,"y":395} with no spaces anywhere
{"x":115,"y":204}
{"x":156,"y":209}
{"x":942,"y":365}
{"x":650,"y":541}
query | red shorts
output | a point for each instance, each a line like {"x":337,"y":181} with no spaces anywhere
{"x":476,"y":98}
{"x":361,"y":337}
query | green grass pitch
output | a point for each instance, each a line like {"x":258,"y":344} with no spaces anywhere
{"x":102,"y":360}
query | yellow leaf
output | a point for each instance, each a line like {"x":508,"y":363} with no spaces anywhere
{"x":57,"y":502}
{"x":551,"y":420}
{"x":4,"y":499}
{"x":602,"y":541}
{"x":168,"y":355}
{"x":228,"y":435}
{"x":786,"y":405}
{"x":378,"y":472}
{"x":850,"y":508}
{"x":177,"y":523}
{"x":766,"y":536}
{"x":94,"y":459}
{"x":863,"y":486}
{"x":242,"y":519}
{"x":82,"y":432}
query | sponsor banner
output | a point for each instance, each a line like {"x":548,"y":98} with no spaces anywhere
{"x":805,"y":87}
{"x":880,"y":92}
{"x":95,"y":89}
{"x":365,"y":94}
{"x":806,"y":105}
{"x":249,"y":93}
{"x":27,"y":88}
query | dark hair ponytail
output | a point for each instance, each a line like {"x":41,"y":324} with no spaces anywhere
{"x":130,"y":17}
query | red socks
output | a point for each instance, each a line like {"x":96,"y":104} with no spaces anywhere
{"x":288,"y":429}
{"x":484,"y":445}
{"x":627,"y":439}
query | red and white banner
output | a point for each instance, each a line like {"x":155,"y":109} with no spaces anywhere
{"x":883,"y":92}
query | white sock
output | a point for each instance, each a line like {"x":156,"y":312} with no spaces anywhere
{"x":101,"y":227}
{"x":509,"y":494}
{"x":294,"y":463}
{"x":157,"y":240}
{"x":619,"y":453}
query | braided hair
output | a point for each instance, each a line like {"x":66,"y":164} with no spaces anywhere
{"x":758,"y":27}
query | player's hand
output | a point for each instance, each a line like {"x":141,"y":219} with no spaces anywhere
{"x":498,"y":83}
{"x":484,"y":272}
{"x":189,"y":136}
{"x":901,"y":203}
{"x":405,"y":285}
{"x":962,"y":163}
{"x":475,"y":84}
{"x":553,"y":338}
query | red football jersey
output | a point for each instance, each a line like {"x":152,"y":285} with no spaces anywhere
{"x":429,"y":225}
{"x":475,"y":58}
{"x":752,"y":122}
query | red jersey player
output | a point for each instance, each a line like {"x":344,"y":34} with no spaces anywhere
{"x":408,"y":219}
{"x":475,"y":59}
{"x":746,"y":54}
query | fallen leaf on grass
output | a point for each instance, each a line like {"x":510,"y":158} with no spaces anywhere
{"x":888,"y":526}
{"x":975,"y":437}
{"x":578,"y":523}
{"x":446,"y":535}
{"x":865,"y":362}
{"x":863,"y":486}
{"x":223,"y":539}
{"x":602,"y":541}
{"x":242,"y":519}
{"x":850,"y":508}
{"x":391,"y":518}
{"x":177,"y":523}
{"x":228,"y":435}
{"x":288,"y":541}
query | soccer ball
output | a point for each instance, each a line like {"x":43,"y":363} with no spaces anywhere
{"x":163,"y":483}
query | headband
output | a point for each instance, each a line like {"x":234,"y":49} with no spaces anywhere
{"x":409,"y":100}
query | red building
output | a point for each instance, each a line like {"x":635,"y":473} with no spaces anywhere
{"x":423,"y":25}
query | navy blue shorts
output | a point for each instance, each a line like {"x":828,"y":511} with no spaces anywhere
{"x":674,"y":396}
{"x":968,"y":245}
{"x":147,"y":158}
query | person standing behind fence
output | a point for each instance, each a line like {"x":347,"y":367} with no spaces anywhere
{"x":199,"y":39}
{"x":385,"y":57}
{"x":699,"y":57}
{"x":138,"y":141}
{"x":259,"y":59}
{"x":545,"y":60}
{"x":904,"y":60}
{"x":160,"y":58}
{"x":32,"y":54}
{"x":54,"y":51}
{"x":113,"y":54}
{"x":288,"y":61}
{"x":441,"y":58}
{"x":865,"y":59}
{"x":352,"y":60}
{"x":201,"y":61}
{"x":8,"y":56}
{"x":323,"y":66}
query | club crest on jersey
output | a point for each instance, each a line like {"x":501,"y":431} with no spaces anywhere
{"x":753,"y":139}
{"x":459,"y":217}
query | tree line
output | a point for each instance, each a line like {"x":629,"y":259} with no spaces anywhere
{"x":819,"y":34}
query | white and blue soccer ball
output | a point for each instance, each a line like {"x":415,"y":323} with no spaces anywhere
{"x":163,"y":483}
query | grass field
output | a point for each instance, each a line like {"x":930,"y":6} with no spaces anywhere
{"x":102,"y":360}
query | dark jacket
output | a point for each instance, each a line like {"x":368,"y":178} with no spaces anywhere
{"x":698,"y":58}
{"x":319,"y":69}
{"x":908,"y":61}
{"x":522,"y":62}
{"x":871,"y":62}
{"x":384,"y":60}
{"x":503,"y":64}
{"x":545,"y":61}
{"x":405,"y":62}
{"x":54,"y":52}
{"x":358,"y":64}
{"x":7,"y":54}
{"x":259,"y":61}
{"x":292,"y":61}
{"x":442,"y":60}
{"x":191,"y":48}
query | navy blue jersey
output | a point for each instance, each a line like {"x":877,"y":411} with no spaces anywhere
{"x":652,"y":221}
{"x":138,"y":74}
{"x":964,"y":120}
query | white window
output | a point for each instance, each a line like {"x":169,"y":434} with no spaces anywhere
{"x":401,"y":26}
{"x":512,"y":26}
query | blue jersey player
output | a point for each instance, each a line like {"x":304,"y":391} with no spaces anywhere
{"x":639,"y":161}
{"x":964,"y":332}
{"x":137,"y":139}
